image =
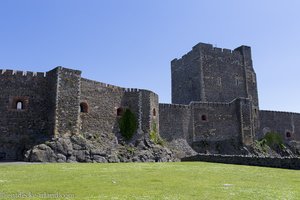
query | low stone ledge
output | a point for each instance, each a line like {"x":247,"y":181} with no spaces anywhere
{"x":283,"y":162}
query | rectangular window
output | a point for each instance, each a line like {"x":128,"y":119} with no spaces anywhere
{"x":253,"y":78}
{"x":219,"y":81}
{"x":18,"y":103}
{"x":237,"y":81}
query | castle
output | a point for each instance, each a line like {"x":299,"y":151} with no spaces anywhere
{"x":214,"y":104}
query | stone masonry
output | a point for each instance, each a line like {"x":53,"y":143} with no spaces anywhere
{"x":214,"y":109}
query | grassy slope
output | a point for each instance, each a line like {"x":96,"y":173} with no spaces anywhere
{"x":198,"y":180}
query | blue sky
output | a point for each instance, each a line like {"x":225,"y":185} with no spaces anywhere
{"x":130,"y":43}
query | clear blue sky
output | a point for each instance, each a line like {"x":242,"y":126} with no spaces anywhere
{"x":130,"y":43}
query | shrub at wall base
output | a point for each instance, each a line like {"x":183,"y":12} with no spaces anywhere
{"x":128,"y":124}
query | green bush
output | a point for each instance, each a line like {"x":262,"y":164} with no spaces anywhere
{"x":131,"y":150}
{"x":128,"y":124}
{"x":261,"y":145}
{"x":272,"y":139}
{"x":154,"y":137}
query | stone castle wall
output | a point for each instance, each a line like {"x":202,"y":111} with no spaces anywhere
{"x":214,"y":94}
{"x":222,"y":121}
{"x":208,"y":125}
{"x":103,"y":103}
{"x":22,"y":128}
{"x":175,"y":122}
{"x":106,"y":104}
{"x":285,"y":123}
{"x":67,"y":102}
{"x":51,"y":108}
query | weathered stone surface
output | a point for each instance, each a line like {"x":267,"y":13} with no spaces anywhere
{"x":113,"y":159}
{"x":82,"y":155}
{"x":42,"y":153}
{"x":62,"y":150}
{"x":22,"y":129}
{"x":61,"y":145}
{"x":99,"y":159}
{"x":66,"y":118}
{"x":61,"y":158}
{"x":98,"y":152}
{"x":71,"y":159}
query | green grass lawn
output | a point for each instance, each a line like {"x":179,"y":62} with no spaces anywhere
{"x":194,"y":180}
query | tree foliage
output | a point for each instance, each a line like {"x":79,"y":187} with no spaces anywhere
{"x":128,"y":124}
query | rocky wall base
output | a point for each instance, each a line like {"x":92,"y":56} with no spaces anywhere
{"x":79,"y":149}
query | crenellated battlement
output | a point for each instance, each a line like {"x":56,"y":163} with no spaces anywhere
{"x":218,"y":104}
{"x":175,"y":106}
{"x":195,"y":53}
{"x":197,"y":104}
{"x":9,"y":72}
{"x":106,"y":85}
{"x":209,"y":47}
{"x":131,"y":90}
{"x":101,"y":84}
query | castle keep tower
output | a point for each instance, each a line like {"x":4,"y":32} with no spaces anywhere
{"x":213,"y":75}
{"x":209,"y":74}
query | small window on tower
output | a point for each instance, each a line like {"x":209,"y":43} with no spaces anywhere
{"x":237,"y":81}
{"x":154,"y":112}
{"x":219,"y":81}
{"x":204,"y":118}
{"x":119,"y":111}
{"x":288,"y":134}
{"x":253,"y":78}
{"x":19,"y":105}
{"x":84,"y":108}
